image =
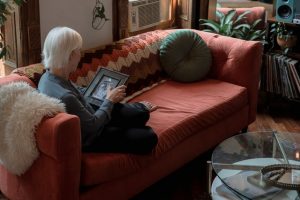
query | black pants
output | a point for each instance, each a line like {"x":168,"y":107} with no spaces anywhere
{"x":126,"y":132}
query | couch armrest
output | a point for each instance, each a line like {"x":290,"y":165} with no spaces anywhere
{"x":55,"y":174}
{"x":59,"y":137}
{"x":238,"y":62}
{"x":16,"y":78}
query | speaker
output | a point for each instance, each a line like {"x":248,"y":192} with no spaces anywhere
{"x":286,"y":10}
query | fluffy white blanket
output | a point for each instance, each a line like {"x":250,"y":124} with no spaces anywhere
{"x":21,"y":110}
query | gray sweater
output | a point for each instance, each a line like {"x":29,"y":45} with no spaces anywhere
{"x":91,"y":121}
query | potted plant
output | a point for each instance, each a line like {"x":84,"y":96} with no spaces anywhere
{"x":7,"y":7}
{"x":285,"y":38}
{"x":232,"y":25}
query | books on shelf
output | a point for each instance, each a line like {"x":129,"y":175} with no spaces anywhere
{"x":280,"y":75}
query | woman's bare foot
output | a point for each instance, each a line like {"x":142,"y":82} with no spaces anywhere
{"x":149,"y":106}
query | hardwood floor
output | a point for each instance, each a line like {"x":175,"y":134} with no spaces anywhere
{"x":190,"y":182}
{"x":279,"y":114}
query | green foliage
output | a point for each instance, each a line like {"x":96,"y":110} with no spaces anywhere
{"x":278,"y":29}
{"x":7,"y":7}
{"x":230,"y":24}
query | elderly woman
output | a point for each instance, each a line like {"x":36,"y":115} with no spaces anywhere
{"x":113,"y":127}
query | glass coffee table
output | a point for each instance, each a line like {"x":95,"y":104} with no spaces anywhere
{"x":238,"y":162}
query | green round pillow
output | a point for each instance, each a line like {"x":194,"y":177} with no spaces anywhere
{"x":185,"y":56}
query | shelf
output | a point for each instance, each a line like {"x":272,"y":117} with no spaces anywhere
{"x":293,"y":55}
{"x":280,"y":75}
{"x":273,"y":20}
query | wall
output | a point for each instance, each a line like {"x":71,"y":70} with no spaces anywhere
{"x":165,"y":10}
{"x":76,"y":14}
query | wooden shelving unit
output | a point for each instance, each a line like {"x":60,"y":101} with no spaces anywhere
{"x":280,"y":73}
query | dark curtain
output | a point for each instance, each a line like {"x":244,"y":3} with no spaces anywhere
{"x":120,"y":19}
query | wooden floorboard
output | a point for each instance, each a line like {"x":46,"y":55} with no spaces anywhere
{"x":280,"y":115}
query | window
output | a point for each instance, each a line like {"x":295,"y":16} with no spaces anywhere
{"x":120,"y":15}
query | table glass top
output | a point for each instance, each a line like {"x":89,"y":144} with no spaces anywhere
{"x":237,"y":161}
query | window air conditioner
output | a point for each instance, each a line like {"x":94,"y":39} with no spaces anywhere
{"x":143,"y":14}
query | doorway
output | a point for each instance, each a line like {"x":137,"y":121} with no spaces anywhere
{"x":22,"y":36}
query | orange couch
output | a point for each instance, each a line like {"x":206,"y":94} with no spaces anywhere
{"x":192,"y":118}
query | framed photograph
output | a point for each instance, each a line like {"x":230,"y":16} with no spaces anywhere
{"x":104,"y":78}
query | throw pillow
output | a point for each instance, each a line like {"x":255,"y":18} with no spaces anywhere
{"x":185,"y":56}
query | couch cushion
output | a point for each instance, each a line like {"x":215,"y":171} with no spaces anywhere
{"x":34,"y":72}
{"x":196,"y":106}
{"x":185,"y":56}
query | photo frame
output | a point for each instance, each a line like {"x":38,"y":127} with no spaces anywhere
{"x":96,"y":91}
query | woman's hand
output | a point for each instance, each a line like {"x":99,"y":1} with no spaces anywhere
{"x":151,"y":107}
{"x":117,"y":94}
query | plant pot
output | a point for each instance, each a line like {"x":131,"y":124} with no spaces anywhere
{"x":287,"y":42}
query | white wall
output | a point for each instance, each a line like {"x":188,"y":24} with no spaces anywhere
{"x":165,"y":10}
{"x":76,"y":14}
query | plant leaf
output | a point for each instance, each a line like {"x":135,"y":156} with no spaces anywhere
{"x":242,"y":16}
{"x":3,"y":52}
{"x":18,"y":2}
{"x":229,"y":17}
{"x":240,"y":26}
{"x":273,"y":30}
{"x":205,"y":20}
{"x":228,"y":29}
{"x":255,"y":23}
{"x":274,"y":25}
{"x":208,"y":30}
{"x":213,"y":25}
{"x":219,"y":14}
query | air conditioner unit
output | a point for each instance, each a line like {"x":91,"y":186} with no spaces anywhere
{"x":143,"y":14}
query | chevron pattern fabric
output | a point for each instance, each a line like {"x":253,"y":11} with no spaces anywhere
{"x":33,"y":72}
{"x":136,"y":56}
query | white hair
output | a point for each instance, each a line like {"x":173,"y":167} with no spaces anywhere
{"x":58,"y":46}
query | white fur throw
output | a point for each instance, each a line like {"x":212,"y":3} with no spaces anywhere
{"x":21,"y":110}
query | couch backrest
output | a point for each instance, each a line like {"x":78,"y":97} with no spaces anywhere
{"x":32,"y":72}
{"x":136,"y":56}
